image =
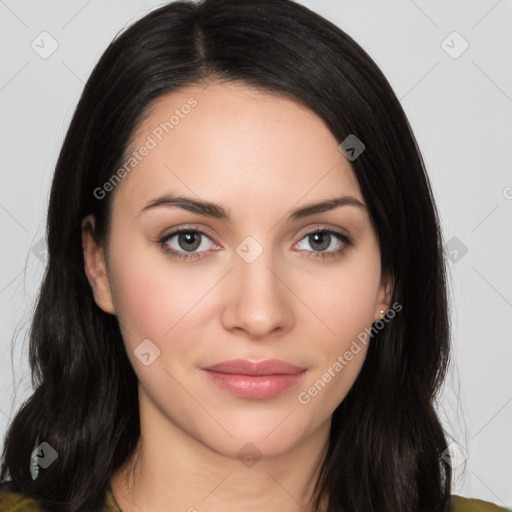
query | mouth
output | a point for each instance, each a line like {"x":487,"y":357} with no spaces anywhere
{"x":255,"y":380}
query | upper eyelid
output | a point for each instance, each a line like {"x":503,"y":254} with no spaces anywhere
{"x":338,"y":230}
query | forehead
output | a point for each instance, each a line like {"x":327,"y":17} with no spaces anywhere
{"x":235,"y":145}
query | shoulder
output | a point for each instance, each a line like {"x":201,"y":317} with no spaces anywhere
{"x":11,"y":501}
{"x":460,"y":504}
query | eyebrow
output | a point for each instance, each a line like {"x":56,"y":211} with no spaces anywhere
{"x":217,"y":211}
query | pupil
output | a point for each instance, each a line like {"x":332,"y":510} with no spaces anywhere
{"x":188,"y":239}
{"x":321,"y":236}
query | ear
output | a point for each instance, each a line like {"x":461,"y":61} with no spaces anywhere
{"x":95,"y":267}
{"x":384,"y":297}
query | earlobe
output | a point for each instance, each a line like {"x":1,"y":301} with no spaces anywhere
{"x":384,"y":298}
{"x":95,"y":267}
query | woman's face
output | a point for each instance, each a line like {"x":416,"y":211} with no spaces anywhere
{"x":252,"y":284}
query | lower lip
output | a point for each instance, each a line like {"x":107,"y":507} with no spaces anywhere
{"x":255,"y":386}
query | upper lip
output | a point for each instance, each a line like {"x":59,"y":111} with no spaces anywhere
{"x":246,"y":367}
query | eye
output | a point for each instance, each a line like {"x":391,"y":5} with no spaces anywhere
{"x":322,"y":239}
{"x":187,"y":244}
{"x":187,"y":240}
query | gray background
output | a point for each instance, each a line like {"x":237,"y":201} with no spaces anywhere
{"x":459,"y":105}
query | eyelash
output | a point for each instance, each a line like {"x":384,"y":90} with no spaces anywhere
{"x":347,"y":243}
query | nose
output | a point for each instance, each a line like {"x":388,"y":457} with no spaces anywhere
{"x":257,"y":299}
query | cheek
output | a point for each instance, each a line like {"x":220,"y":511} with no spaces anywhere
{"x":146,"y":297}
{"x":354,"y":306}
{"x":342,"y":298}
{"x":141,"y":303}
{"x":158,"y":300}
{"x":344,"y":306}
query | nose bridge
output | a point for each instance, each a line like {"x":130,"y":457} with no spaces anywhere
{"x":254,"y":263}
{"x":257,"y":301}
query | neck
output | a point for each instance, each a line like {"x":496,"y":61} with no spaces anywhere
{"x":170,"y":467}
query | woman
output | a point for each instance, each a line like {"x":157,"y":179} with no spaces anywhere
{"x":245,"y":300}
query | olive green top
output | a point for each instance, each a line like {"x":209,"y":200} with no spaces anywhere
{"x":14,"y":502}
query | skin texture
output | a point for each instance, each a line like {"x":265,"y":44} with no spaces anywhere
{"x":260,"y":156}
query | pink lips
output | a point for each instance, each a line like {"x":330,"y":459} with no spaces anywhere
{"x":258,"y":380}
